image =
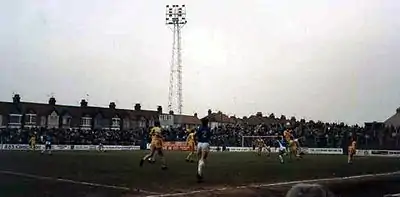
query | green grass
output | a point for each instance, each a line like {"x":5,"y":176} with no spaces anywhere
{"x":122,"y":169}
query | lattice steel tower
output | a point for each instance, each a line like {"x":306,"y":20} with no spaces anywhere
{"x":175,"y":19}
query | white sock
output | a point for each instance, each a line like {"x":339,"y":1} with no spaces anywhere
{"x":281,"y":158}
{"x":200,"y":167}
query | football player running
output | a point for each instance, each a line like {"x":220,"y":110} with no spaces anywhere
{"x":47,"y":143}
{"x":281,"y":149}
{"x":352,"y":151}
{"x":156,"y":146}
{"x":203,"y":136}
{"x":191,"y":142}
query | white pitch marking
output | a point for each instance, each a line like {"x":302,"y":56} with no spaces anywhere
{"x":392,"y":195}
{"x":277,"y":184}
{"x":74,"y":182}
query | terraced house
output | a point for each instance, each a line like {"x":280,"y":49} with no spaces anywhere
{"x":18,"y":114}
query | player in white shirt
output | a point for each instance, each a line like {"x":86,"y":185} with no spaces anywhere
{"x":282,"y":149}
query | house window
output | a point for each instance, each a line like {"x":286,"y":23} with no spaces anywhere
{"x":53,"y":120}
{"x":126,"y":123}
{"x":1,"y":120}
{"x":43,"y":121}
{"x":98,"y":122}
{"x":15,"y":119}
{"x":30,"y":119}
{"x":66,"y":121}
{"x":115,"y":122}
{"x":142,"y":123}
{"x":151,"y":123}
{"x":86,"y":121}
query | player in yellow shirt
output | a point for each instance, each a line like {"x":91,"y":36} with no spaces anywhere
{"x":32,"y":142}
{"x":352,"y":151}
{"x":191,"y":143}
{"x":293,"y":149}
{"x":287,"y":135}
{"x":260,"y":145}
{"x":156,"y":145}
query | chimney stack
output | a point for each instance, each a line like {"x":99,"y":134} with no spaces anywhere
{"x":16,"y":98}
{"x":159,"y":109}
{"x":171,"y":112}
{"x":137,"y":107}
{"x":195,"y":115}
{"x":259,"y":114}
{"x":209,"y":112}
{"x":112,"y":105}
{"x":84,"y":103}
{"x":52,"y":101}
{"x":398,"y":110}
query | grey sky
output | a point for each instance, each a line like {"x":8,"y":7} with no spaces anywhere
{"x":324,"y":60}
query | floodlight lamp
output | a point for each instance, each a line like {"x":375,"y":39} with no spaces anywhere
{"x":167,"y":6}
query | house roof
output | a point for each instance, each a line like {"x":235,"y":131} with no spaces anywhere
{"x":237,"y":120}
{"x":219,"y":117}
{"x":394,"y":120}
{"x":186,"y":119}
{"x":43,"y":109}
{"x":256,"y":120}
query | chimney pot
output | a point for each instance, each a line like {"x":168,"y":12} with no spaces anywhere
{"x":52,"y":101}
{"x":84,"y":103}
{"x":138,"y":107}
{"x":112,"y":105}
{"x":16,"y":98}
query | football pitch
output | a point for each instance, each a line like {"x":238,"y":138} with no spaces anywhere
{"x":117,"y":173}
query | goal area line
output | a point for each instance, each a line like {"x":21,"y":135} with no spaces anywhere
{"x":286,"y":183}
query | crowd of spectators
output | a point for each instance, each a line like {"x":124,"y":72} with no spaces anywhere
{"x":73,"y":136}
{"x":311,"y":134}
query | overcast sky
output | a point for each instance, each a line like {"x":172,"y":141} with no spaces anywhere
{"x":332,"y":60}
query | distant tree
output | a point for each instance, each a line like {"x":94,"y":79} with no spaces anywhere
{"x":283,"y":117}
{"x":259,"y":114}
{"x":293,"y":119}
{"x":244,"y":118}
